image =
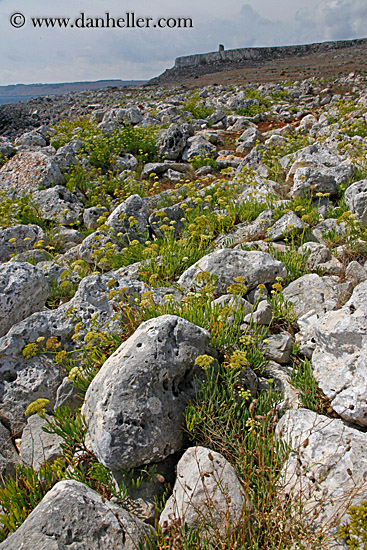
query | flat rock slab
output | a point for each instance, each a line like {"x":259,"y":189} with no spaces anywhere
{"x":314,"y":293}
{"x":38,"y":446}
{"x":207,"y":493}
{"x":23,"y":291}
{"x":72,"y":515}
{"x":227,"y":264}
{"x":134,"y":406}
{"x":340,"y":357}
{"x":326,"y":465}
{"x":26,"y":172}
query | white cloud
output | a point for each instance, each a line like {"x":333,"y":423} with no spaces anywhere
{"x":52,"y":55}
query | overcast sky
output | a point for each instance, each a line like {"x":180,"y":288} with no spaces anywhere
{"x":31,"y":55}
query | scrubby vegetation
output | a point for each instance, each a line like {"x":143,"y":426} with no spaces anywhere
{"x":225,"y":416}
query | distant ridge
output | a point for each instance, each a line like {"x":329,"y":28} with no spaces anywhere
{"x":14,"y":93}
{"x":224,"y":60}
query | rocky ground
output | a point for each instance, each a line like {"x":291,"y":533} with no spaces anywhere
{"x":183,"y":318}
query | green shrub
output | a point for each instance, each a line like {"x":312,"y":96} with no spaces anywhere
{"x":195,"y":105}
{"x":302,"y":378}
{"x":355,"y":531}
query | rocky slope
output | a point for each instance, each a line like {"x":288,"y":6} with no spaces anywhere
{"x":186,"y":272}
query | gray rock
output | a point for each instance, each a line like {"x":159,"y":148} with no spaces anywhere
{"x":240,"y":102}
{"x":173,"y":141}
{"x":279,"y":347}
{"x":9,"y":457}
{"x":68,"y":394}
{"x":356,"y":199}
{"x":94,"y":248}
{"x":233,"y":302}
{"x":30,"y":139}
{"x":247,"y":140}
{"x":246,"y":232}
{"x":125,"y":162}
{"x":329,"y":225}
{"x":340,"y":357}
{"x":134,"y":406}
{"x":325,"y":467}
{"x":23,"y":381}
{"x":33,"y":257}
{"x":308,"y":121}
{"x":207,"y":494}
{"x":25,"y":236}
{"x":174,"y":176}
{"x":313,"y":180}
{"x":6,"y":147}
{"x":23,"y":290}
{"x":262,"y":316}
{"x":130,"y":218}
{"x":161,"y":168}
{"x":171,"y":216}
{"x":317,"y":254}
{"x":280,"y":375}
{"x":227,"y":264}
{"x":198,"y":146}
{"x":314,"y":293}
{"x":26,"y":171}
{"x":66,"y":156}
{"x":355,"y":273}
{"x":91,"y":216}
{"x":287,"y":225}
{"x":72,"y":515}
{"x":58,"y":204}
{"x":38,"y":446}
{"x":67,"y":237}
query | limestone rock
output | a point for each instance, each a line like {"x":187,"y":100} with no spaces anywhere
{"x":25,"y":236}
{"x":66,"y":155}
{"x":9,"y":457}
{"x":314,"y":293}
{"x":58,"y":204}
{"x":130,"y":218}
{"x":30,"y":139}
{"x":314,"y":180}
{"x":23,"y":291}
{"x":72,"y":515}
{"x":26,"y":171}
{"x":356,"y":199}
{"x":198,"y":146}
{"x":23,"y":381}
{"x":38,"y":446}
{"x":207,"y":493}
{"x":280,"y":376}
{"x":262,"y":316}
{"x":171,"y":216}
{"x":134,"y":406}
{"x":289,"y":224}
{"x":227,"y":264}
{"x":279,"y":347}
{"x":355,"y":272}
{"x":340,"y":357}
{"x":91,"y":215}
{"x":248,"y":139}
{"x":318,"y":254}
{"x":173,"y":141}
{"x":68,"y":394}
{"x":327,"y":463}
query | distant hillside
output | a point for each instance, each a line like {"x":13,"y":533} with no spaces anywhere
{"x":198,"y":65}
{"x":22,"y":92}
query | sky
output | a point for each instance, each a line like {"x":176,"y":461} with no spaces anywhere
{"x":32,"y":55}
